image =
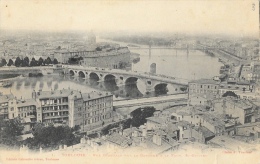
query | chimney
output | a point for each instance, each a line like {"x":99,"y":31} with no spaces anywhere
{"x":157,"y":139}
{"x":144,"y":132}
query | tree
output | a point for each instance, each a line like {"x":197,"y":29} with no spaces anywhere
{"x":33,"y":62}
{"x":9,"y":129}
{"x":40,"y":62}
{"x":24,"y":63}
{"x":18,"y":62}
{"x":3,"y":62}
{"x":55,"y":61}
{"x":140,"y":114}
{"x":48,"y":61}
{"x":52,"y":136}
{"x":26,"y":59}
{"x":10,"y":62}
{"x":230,"y":93}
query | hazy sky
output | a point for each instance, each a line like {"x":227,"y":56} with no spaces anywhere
{"x":200,"y":16}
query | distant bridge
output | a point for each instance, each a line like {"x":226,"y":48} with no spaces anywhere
{"x":175,"y":48}
{"x":122,"y":77}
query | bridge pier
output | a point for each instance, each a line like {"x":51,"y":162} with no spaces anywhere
{"x":120,"y":80}
{"x":149,"y":86}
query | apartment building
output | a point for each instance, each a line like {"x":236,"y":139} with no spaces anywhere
{"x":4,"y":105}
{"x":70,"y":107}
{"x":206,"y":86}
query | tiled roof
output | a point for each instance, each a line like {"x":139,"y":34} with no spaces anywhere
{"x":94,"y":95}
{"x":6,"y":98}
{"x":205,"y":132}
{"x":27,"y":102}
{"x":212,"y":119}
{"x":119,"y":140}
{"x":159,"y":120}
{"x":56,"y":93}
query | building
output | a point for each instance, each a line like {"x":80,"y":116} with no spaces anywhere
{"x":235,"y":86}
{"x":73,"y":108}
{"x":97,"y":109}
{"x":64,"y":55}
{"x":206,"y":86}
{"x":5,"y":102}
{"x":200,"y":99}
{"x":242,"y":109}
{"x":250,"y":131}
{"x":113,"y":58}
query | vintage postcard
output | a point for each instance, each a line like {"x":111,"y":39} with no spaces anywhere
{"x":129,"y":81}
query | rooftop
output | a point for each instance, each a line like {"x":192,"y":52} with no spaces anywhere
{"x":56,"y":93}
{"x":119,"y":140}
{"x":6,"y":98}
{"x":159,"y":120}
{"x":249,"y":125}
{"x":212,"y":119}
{"x":27,"y":102}
{"x":241,"y":103}
{"x":205,"y":81}
{"x":94,"y":95}
{"x":205,"y":132}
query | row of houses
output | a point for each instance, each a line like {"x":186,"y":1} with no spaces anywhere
{"x":204,"y":88}
{"x":69,"y":107}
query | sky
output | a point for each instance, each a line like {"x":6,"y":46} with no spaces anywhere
{"x":233,"y":17}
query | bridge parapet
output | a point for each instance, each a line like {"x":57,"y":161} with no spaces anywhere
{"x":118,"y":73}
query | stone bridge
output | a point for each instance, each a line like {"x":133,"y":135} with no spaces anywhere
{"x":122,"y":77}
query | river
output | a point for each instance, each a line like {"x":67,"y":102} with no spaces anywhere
{"x":191,"y":65}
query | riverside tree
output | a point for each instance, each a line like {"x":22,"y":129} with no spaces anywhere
{"x":18,"y":62}
{"x":33,"y":62}
{"x":10,"y":62}
{"x":55,"y":61}
{"x":48,"y":61}
{"x":40,"y":62}
{"x":3,"y":62}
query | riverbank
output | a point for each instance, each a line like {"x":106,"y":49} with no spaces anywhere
{"x":8,"y":76}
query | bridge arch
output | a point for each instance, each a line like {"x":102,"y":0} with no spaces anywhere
{"x":71,"y":72}
{"x":94,"y":75}
{"x":161,"y":88}
{"x":82,"y":74}
{"x":131,"y":80}
{"x":109,"y":77}
{"x":110,"y":82}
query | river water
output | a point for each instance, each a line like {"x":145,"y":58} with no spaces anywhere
{"x":182,"y":64}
